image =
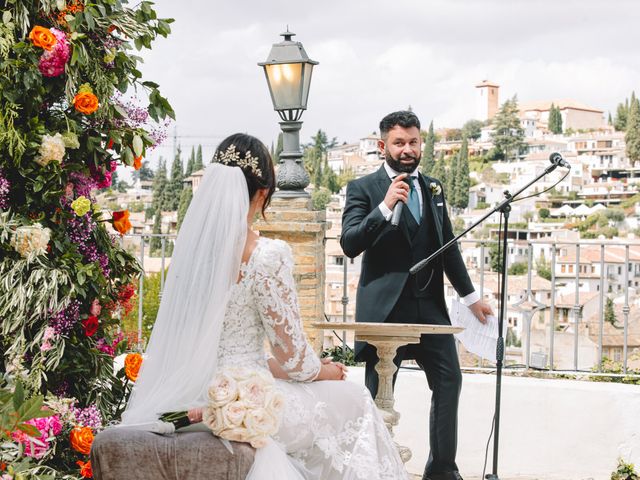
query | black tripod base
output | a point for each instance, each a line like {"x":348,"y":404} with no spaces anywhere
{"x":491,"y":476}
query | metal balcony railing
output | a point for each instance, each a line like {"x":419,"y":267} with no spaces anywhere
{"x":578,"y":291}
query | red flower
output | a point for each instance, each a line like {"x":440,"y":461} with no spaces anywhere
{"x":90,"y":325}
{"x":85,"y":469}
{"x":110,"y":144}
{"x":121,"y":221}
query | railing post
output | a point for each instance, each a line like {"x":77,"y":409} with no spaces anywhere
{"x":576,"y":309}
{"x":345,"y":302}
{"x":625,"y":309}
{"x":601,"y":305}
{"x":141,"y":293}
{"x":552,"y":308}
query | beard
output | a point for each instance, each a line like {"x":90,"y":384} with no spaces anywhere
{"x":400,"y":167}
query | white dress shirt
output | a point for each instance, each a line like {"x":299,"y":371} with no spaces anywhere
{"x":467,"y":300}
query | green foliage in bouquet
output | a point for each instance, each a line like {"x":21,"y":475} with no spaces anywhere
{"x":70,"y":112}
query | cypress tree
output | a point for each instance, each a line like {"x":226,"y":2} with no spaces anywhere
{"x":198,"y":163}
{"x":191,"y":163}
{"x":508,"y":134}
{"x":175,"y":186}
{"x":438,"y":170}
{"x":462,"y":182}
{"x":428,"y":158}
{"x":185,"y":201}
{"x":159,"y":186}
{"x":632,"y":136}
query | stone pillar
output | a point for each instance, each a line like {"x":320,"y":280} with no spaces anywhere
{"x":294,"y":221}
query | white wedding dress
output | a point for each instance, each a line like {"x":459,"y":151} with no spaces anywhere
{"x":330,"y":429}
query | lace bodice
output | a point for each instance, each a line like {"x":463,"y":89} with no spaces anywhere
{"x":264,"y":305}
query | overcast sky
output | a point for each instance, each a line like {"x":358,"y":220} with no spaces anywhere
{"x":379,"y":56}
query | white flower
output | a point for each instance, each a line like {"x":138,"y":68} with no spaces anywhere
{"x":212,"y":417}
{"x":253,"y":391}
{"x":51,"y":149}
{"x":31,"y":240}
{"x":435,"y":189}
{"x":233,"y":414}
{"x":275,"y":402}
{"x":223,"y":389}
{"x":261,"y":423}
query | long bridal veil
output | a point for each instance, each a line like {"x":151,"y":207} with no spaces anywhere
{"x":181,"y":357}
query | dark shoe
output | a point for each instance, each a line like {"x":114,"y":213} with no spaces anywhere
{"x":444,"y":476}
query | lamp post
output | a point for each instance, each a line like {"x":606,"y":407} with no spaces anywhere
{"x":288,"y":71}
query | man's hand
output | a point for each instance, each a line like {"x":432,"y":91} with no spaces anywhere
{"x":481,"y":310}
{"x":398,"y":190}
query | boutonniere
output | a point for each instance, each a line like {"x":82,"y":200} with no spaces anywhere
{"x":435,"y":189}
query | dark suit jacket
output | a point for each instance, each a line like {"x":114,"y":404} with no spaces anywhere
{"x":387,"y":251}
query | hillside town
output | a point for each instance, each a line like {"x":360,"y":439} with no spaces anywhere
{"x":574,"y":234}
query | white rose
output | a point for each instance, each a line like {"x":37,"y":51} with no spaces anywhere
{"x":223,"y":389}
{"x":261,"y":423}
{"x":233,"y":413}
{"x":275,"y":402}
{"x":31,"y":240}
{"x":235,"y":434}
{"x":253,"y":391}
{"x":212,"y":417}
{"x":51,"y":149}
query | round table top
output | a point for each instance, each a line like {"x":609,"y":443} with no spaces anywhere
{"x":388,"y":329}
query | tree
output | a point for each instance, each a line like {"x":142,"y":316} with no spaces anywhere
{"x":438,"y":170}
{"x":144,"y":173}
{"x":314,"y":155}
{"x":428,"y":153}
{"x":185,"y":201}
{"x":198,"y":165}
{"x":543,"y":213}
{"x":461,"y":175}
{"x":555,"y":120}
{"x":175,"y":186}
{"x":472,"y":129}
{"x":495,"y":256}
{"x":191,"y":163}
{"x":346,"y":176}
{"x":508,"y":134}
{"x":632,"y":136}
{"x":543,"y":269}
{"x":278,"y":150}
{"x":159,"y":186}
{"x":449,"y":179}
{"x":609,"y":312}
{"x":156,"y":242}
{"x":320,"y":198}
{"x":330,"y":180}
{"x":622,"y":111}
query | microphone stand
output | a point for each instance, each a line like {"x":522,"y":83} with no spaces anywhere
{"x":504,"y":207}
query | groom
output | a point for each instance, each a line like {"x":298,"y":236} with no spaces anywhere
{"x":387,"y":293}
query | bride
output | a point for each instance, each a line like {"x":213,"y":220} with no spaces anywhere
{"x":227,"y":292}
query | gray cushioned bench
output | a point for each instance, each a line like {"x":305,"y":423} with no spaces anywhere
{"x":120,"y":454}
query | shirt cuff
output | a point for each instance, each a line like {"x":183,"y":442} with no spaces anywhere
{"x":386,"y":213}
{"x":470,"y":299}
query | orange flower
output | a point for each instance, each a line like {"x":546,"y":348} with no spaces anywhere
{"x":42,"y":37}
{"x":85,"y":102}
{"x":137,"y":162}
{"x":81,"y":439}
{"x":121,"y":221}
{"x":132,"y":364}
{"x":85,"y":469}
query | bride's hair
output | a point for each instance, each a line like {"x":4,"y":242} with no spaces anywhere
{"x":253,"y":157}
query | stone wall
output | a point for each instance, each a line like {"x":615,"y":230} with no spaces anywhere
{"x":294,"y":221}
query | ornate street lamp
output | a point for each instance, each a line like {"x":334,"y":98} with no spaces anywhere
{"x":288,"y":70}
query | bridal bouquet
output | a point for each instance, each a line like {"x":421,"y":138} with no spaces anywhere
{"x":244,"y":406}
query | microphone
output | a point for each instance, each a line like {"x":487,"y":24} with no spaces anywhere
{"x":557,"y":159}
{"x":397,"y":209}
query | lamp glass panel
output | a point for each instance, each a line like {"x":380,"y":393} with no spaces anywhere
{"x":308,"y":68}
{"x":285,"y":84}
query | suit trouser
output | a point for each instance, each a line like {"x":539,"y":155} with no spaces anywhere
{"x":437,"y":357}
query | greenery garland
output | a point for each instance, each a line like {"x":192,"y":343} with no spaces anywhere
{"x":67,"y":119}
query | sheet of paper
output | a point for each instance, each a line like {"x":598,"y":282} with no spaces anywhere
{"x":480,"y":339}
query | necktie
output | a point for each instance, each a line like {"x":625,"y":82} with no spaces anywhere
{"x":414,"y":201}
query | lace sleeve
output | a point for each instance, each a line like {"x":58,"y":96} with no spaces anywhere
{"x":277,"y":303}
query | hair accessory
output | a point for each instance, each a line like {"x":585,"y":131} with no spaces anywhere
{"x":232,"y":157}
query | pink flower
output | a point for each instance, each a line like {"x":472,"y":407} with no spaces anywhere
{"x":49,"y":427}
{"x":46,"y":346}
{"x":95,"y":308}
{"x":52,"y":62}
{"x":49,"y":333}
